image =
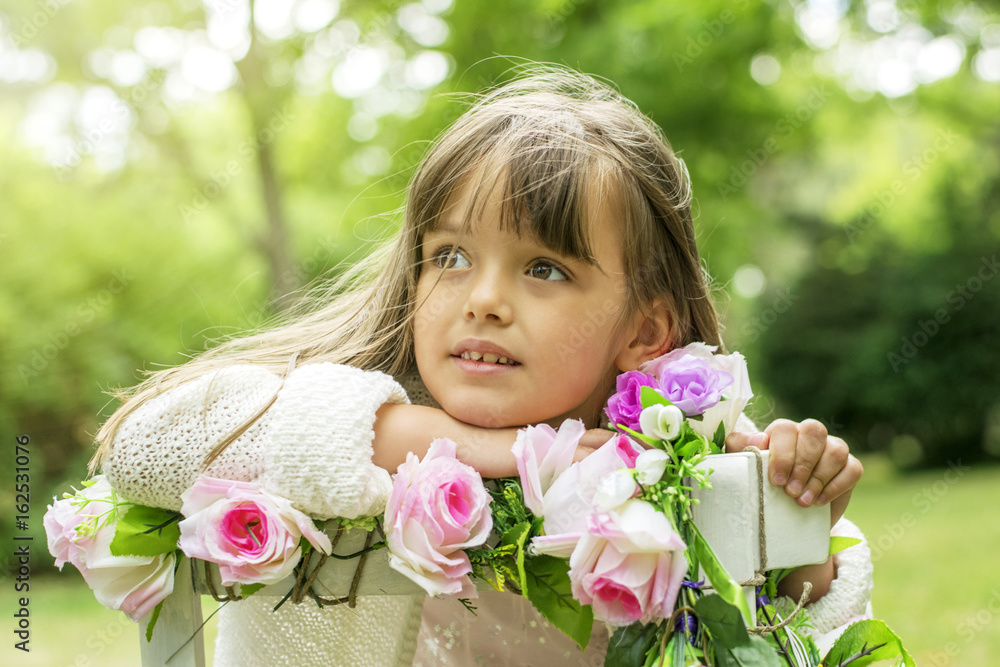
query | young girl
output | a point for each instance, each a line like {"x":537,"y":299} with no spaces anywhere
{"x":547,"y":246}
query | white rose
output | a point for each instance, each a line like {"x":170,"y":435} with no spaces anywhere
{"x":649,"y":466}
{"x":661,"y":421}
{"x":614,"y":489}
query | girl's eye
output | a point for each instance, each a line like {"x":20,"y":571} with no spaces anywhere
{"x":544,"y":270}
{"x":450,"y":258}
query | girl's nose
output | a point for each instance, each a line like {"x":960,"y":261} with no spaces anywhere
{"x":488,"y":300}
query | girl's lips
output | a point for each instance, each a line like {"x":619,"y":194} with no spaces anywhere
{"x":484,"y":368}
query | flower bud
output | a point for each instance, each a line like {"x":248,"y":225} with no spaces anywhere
{"x":661,"y":421}
{"x":649,"y":466}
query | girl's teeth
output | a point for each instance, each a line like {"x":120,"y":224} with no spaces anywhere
{"x":487,"y":357}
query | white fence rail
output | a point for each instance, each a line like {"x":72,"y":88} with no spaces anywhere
{"x":729,"y":515}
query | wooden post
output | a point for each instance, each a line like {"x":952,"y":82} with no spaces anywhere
{"x":179,"y":620}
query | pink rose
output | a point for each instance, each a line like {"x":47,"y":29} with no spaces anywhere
{"x":251,"y":533}
{"x":629,"y":565}
{"x":734,"y":397}
{"x":133,"y":584}
{"x":571,"y":498}
{"x":438,"y":507}
{"x":542,"y":454}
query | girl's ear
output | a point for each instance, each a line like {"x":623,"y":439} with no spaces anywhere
{"x":649,"y":337}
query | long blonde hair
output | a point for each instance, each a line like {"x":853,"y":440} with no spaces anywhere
{"x":547,"y":137}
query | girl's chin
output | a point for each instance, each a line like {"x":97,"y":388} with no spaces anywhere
{"x":492,"y":417}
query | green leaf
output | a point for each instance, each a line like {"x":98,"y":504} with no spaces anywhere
{"x":630,"y":644}
{"x":678,"y":644}
{"x":688,"y":442}
{"x":549,"y":590}
{"x":246,"y":590}
{"x":723,"y":584}
{"x":518,"y":535}
{"x":841,"y":543}
{"x":719,"y":439}
{"x":722,"y":620}
{"x":756,"y":653}
{"x":146,"y":531}
{"x":862,"y":636}
{"x":733,"y":646}
{"x":154,"y":616}
{"x":649,"y":396}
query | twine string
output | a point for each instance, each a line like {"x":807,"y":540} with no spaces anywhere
{"x":762,"y":630}
{"x":231,"y":594}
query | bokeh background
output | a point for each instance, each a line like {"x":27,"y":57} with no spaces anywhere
{"x":171,"y":171}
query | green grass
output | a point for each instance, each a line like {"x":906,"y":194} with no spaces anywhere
{"x":934,"y":535}
{"x":935,"y":541}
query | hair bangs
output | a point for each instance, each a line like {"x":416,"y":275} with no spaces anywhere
{"x":542,"y":179}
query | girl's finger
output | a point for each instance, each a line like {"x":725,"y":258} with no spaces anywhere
{"x":833,"y":460}
{"x":808,"y":451}
{"x":844,"y":481}
{"x":737,"y":442}
{"x":782,"y":436}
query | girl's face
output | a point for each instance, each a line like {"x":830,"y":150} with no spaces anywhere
{"x":509,"y":332}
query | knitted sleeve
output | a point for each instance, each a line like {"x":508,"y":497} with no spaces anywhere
{"x":850,"y":594}
{"x":312,"y":446}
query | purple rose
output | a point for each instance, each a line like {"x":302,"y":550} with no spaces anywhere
{"x":692,"y":384}
{"x":625,"y":405}
{"x":736,"y":395}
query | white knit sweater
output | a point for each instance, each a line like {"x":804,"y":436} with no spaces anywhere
{"x":314,"y":447}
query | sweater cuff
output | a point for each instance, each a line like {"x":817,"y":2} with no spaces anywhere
{"x":320,"y":450}
{"x":849,"y":598}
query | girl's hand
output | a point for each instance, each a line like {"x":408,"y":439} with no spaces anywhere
{"x":813,"y":466}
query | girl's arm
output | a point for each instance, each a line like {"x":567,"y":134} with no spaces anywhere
{"x":400,"y":429}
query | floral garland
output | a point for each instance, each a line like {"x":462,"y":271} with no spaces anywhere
{"x":610,"y":538}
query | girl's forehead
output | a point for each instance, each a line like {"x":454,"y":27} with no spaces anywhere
{"x":566,"y":215}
